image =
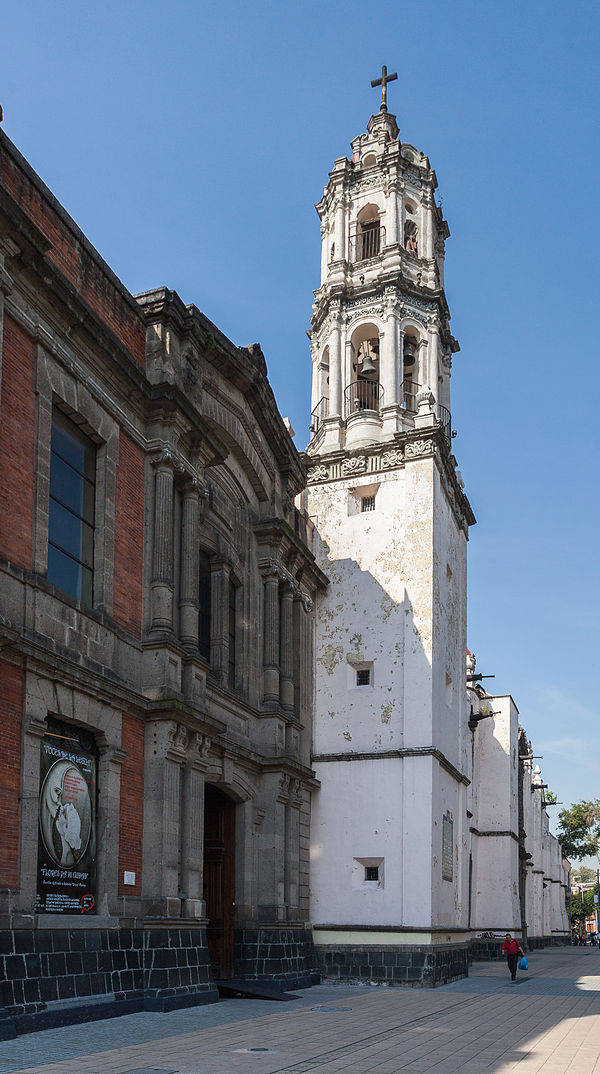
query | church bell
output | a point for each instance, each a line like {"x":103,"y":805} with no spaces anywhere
{"x":410,"y":353}
{"x":367,"y":365}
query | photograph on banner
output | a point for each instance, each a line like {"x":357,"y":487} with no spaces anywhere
{"x":66,"y":879}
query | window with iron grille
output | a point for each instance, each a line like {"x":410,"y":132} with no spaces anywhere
{"x":204,"y":605}
{"x":363,"y":677}
{"x":371,"y":872}
{"x":71,"y":510}
{"x":447,"y":847}
{"x":367,"y":503}
{"x":369,"y":239}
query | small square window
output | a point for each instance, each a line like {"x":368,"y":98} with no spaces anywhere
{"x":372,"y":872}
{"x":363,"y":677}
{"x":367,"y":503}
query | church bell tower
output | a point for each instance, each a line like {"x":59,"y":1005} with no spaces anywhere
{"x":390,"y":746}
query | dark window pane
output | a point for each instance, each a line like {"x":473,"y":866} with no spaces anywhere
{"x":204,"y":611}
{"x":74,"y":446}
{"x":71,"y":488}
{"x":71,"y":510}
{"x":70,"y":534}
{"x":65,"y":572}
{"x":65,"y":529}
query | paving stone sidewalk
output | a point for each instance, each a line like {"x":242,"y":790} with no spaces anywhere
{"x":548,"y":1021}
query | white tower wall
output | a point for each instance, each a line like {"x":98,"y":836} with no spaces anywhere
{"x":390,"y":854}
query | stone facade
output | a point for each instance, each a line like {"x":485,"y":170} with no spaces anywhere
{"x":156,"y":664}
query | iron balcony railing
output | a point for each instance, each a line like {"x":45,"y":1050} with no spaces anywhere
{"x":362,"y":395}
{"x":445,"y":420}
{"x":367,"y":244}
{"x":316,"y":416}
{"x":408,"y":395}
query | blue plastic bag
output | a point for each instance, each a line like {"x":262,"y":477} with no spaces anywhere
{"x":523,"y":964}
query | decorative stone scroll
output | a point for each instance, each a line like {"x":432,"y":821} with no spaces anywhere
{"x":395,"y":457}
{"x":200,"y":745}
{"x":356,"y":465}
{"x":415,"y":448}
{"x":318,"y":473}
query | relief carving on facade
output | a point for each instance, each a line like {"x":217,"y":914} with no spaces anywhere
{"x":318,"y":473}
{"x":415,"y":448}
{"x":395,"y":457}
{"x":355,"y":465}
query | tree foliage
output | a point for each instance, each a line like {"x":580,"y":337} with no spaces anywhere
{"x":582,"y":906}
{"x":579,"y":830}
{"x":582,"y":874}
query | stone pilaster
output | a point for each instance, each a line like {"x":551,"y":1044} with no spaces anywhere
{"x":339,"y":232}
{"x":292,"y":849}
{"x":188,"y":600}
{"x":391,"y":364}
{"x":392,"y":216}
{"x":271,"y":873}
{"x":335,"y":371}
{"x":192,"y":826}
{"x":286,"y":682}
{"x":162,"y":548}
{"x":219,"y":638}
{"x":271,"y":639}
{"x":166,"y":746}
{"x":110,"y":759}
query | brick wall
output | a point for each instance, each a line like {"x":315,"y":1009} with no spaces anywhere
{"x":71,"y":254}
{"x":129,"y":536}
{"x":17,"y":424}
{"x":11,"y":688}
{"x":132,"y":797}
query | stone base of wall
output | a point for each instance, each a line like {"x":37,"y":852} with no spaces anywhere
{"x":55,"y":977}
{"x":407,"y":966}
{"x":277,"y":956}
{"x":481,"y":950}
{"x":557,"y":939}
{"x":486,"y":950}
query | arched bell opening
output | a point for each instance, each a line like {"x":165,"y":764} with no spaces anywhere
{"x":321,"y":410}
{"x":411,"y":242}
{"x":368,"y":240}
{"x":410,"y":370}
{"x":364,"y":391}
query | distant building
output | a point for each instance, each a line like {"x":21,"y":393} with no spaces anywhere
{"x":518,"y":880}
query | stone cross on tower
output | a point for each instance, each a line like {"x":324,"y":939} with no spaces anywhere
{"x":383,"y":81}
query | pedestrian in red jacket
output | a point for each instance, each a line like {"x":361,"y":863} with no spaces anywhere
{"x":512,"y":949}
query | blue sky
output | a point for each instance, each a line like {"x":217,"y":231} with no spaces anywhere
{"x":191,"y":141}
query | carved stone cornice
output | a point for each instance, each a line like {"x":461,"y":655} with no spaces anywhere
{"x":405,"y":448}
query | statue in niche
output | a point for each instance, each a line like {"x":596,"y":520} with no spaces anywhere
{"x":410,"y":237}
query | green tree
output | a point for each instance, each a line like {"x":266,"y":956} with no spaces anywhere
{"x":582,"y":907}
{"x":583,"y":875}
{"x":550,"y":798}
{"x":579,"y":830}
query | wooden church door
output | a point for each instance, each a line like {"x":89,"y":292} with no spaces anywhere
{"x":219,"y":879}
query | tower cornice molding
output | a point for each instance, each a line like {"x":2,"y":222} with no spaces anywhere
{"x":383,"y":459}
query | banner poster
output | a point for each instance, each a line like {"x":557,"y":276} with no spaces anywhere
{"x":66,"y":879}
